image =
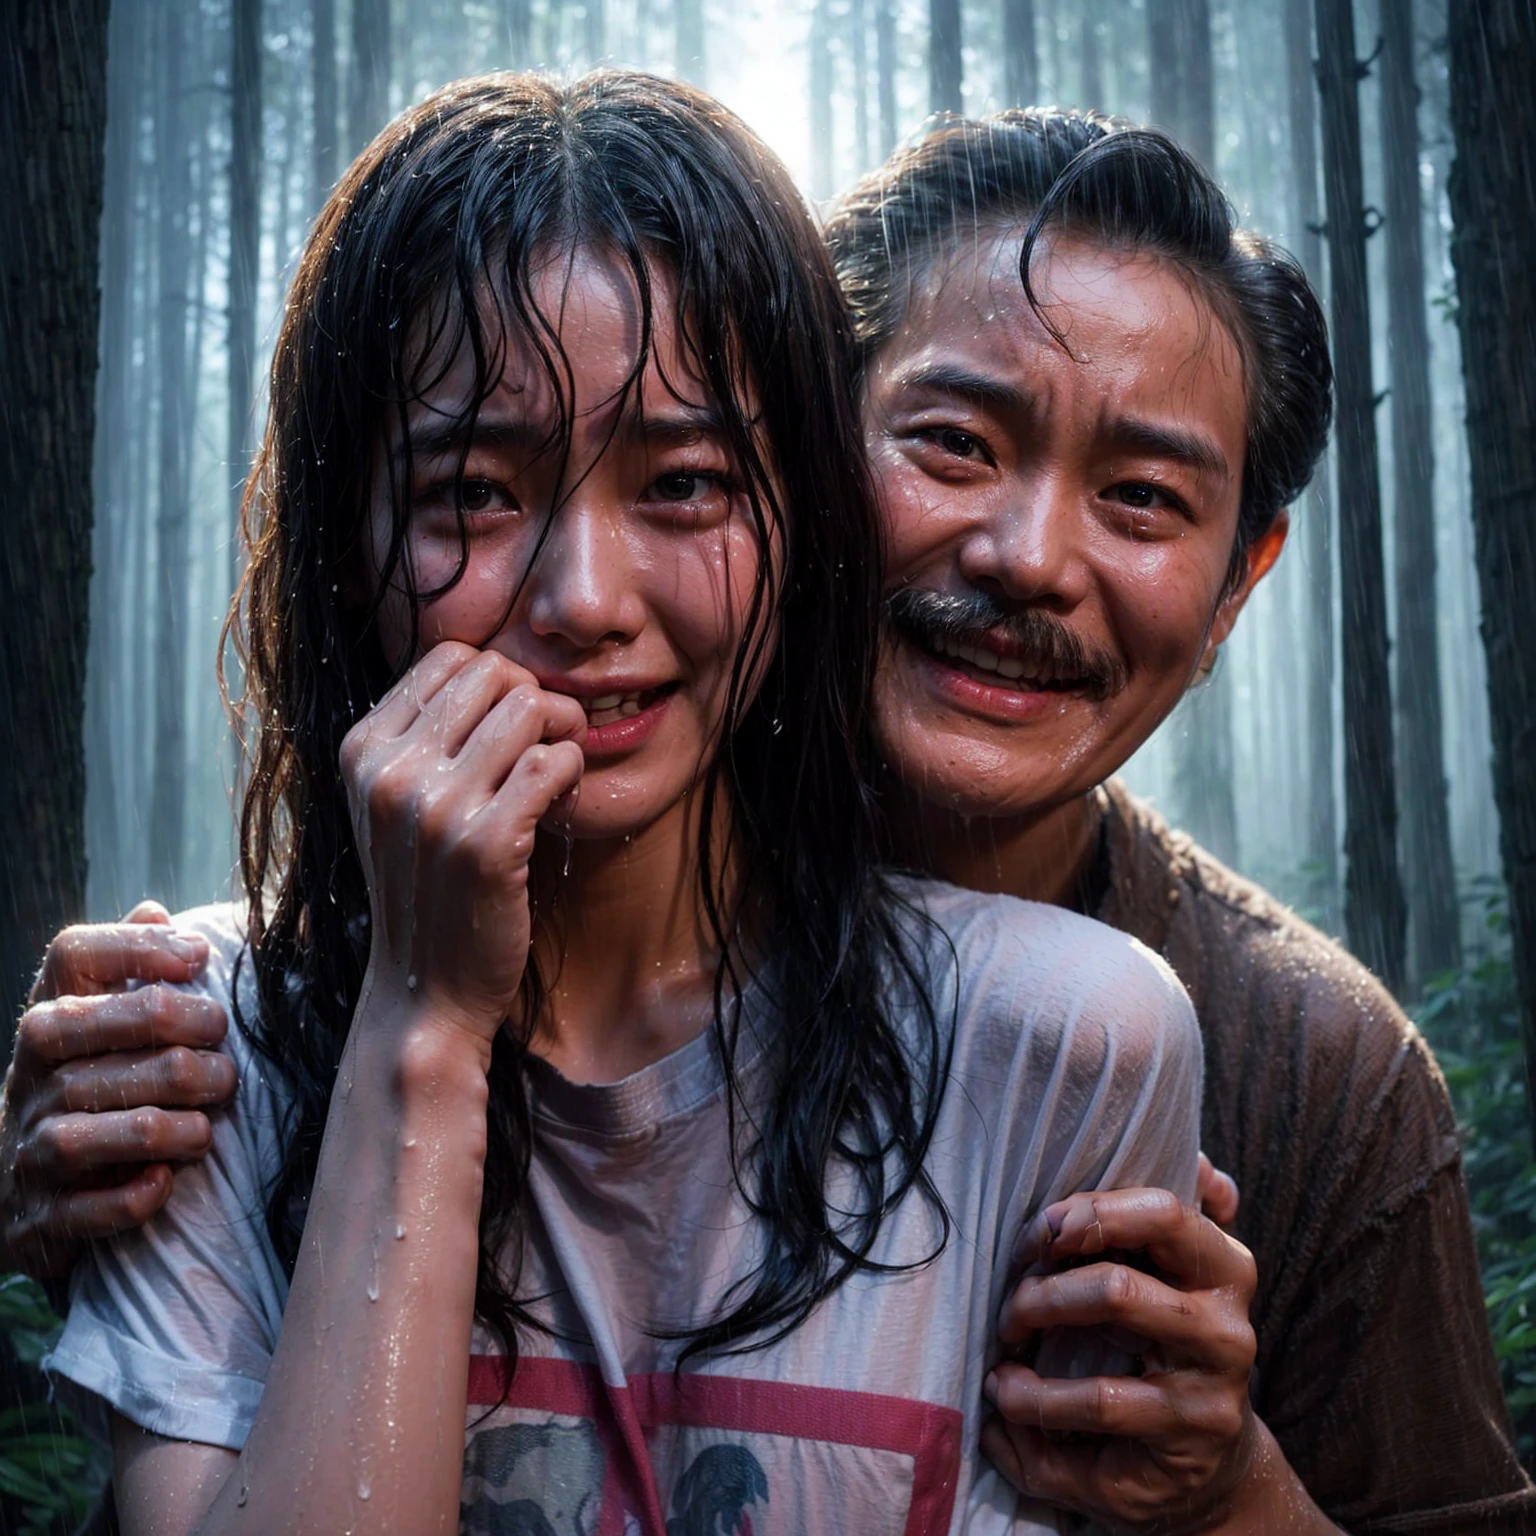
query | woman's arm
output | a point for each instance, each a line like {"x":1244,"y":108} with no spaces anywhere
{"x":361,"y":1422}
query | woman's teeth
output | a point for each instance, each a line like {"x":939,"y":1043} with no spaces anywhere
{"x":1007,"y":667}
{"x":611,"y":707}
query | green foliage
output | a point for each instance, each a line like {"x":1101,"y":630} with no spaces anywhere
{"x":1471,"y":1018}
{"x":50,"y":1472}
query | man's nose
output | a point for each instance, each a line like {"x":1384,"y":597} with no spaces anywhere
{"x":1031,"y":547}
{"x":582,"y":588}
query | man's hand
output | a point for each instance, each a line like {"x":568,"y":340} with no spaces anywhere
{"x":1170,"y":1449}
{"x":1216,"y":1193}
{"x":107,"y":1088}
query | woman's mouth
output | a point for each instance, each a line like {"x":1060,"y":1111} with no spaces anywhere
{"x":622,"y":722}
{"x":609,"y":707}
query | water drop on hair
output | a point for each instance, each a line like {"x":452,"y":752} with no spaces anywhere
{"x":242,"y":1496}
{"x":411,"y":982}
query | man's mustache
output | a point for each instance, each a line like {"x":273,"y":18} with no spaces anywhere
{"x":1043,"y":642}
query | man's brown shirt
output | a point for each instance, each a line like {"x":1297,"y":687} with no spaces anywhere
{"x":1375,"y":1369}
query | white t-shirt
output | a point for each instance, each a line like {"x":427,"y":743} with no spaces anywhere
{"x":1076,"y":1066}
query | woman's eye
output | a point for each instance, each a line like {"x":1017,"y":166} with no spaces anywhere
{"x":683,"y":485}
{"x":468,"y":498}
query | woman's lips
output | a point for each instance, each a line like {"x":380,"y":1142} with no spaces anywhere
{"x":623,"y":723}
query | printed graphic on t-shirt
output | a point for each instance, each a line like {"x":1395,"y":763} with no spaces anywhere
{"x":567,"y":1455}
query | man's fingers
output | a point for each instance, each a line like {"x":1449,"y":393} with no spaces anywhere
{"x":68,"y":1148}
{"x":79,"y":1214}
{"x":148,"y":912}
{"x":173,"y":1076}
{"x":1040,"y":1467}
{"x":101,"y":957}
{"x":1216,"y":1193}
{"x":1132,"y":1406}
{"x":1196,"y":1329}
{"x":71,"y":1027}
{"x":1176,"y":1237}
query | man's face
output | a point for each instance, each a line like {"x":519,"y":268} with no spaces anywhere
{"x":1061,"y":518}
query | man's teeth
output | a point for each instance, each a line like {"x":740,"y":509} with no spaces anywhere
{"x":1008,"y":667}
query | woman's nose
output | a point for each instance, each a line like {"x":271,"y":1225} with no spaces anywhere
{"x":1030,"y":547}
{"x":582,"y":588}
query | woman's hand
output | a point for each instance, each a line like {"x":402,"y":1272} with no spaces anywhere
{"x":448,"y":778}
{"x":107,"y":1088}
{"x":1175,"y":1449}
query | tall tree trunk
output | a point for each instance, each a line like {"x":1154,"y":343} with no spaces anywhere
{"x":167,"y":789}
{"x":110,"y":480}
{"x":1434,"y":924}
{"x":858,"y":26}
{"x":885,"y":72}
{"x":53,"y":110}
{"x":595,"y":29}
{"x":946,"y":72}
{"x":691,"y":41}
{"x":1375,"y":915}
{"x":244,"y":246}
{"x":1317,"y":516}
{"x":1021,"y":61}
{"x":1183,"y":76}
{"x":324,"y":101}
{"x":369,"y":95}
{"x":517,"y":21}
{"x":1493,"y":208}
{"x":1179,"y":35}
{"x":820,"y":88}
{"x":1093,"y":97}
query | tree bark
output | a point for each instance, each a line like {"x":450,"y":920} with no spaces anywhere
{"x":244,"y":247}
{"x":1316,"y":518}
{"x":53,"y":106}
{"x":1183,"y":77}
{"x":885,"y":70}
{"x":1021,"y":60}
{"x":1375,"y":916}
{"x":167,"y":788}
{"x":1493,"y":208}
{"x":323,"y":97}
{"x":820,"y":88}
{"x":370,"y":70}
{"x":946,"y":72}
{"x":1434,"y":919}
{"x":691,"y":61}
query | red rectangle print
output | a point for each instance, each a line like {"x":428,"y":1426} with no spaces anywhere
{"x":565,"y":1454}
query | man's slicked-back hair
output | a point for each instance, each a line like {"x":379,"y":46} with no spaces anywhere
{"x":1133,"y":189}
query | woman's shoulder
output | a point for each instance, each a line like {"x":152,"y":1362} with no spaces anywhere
{"x":1023,"y":975}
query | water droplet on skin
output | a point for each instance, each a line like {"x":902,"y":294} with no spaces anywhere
{"x":242,"y":1496}
{"x":399,"y":1231}
{"x":373,"y":1288}
{"x":408,"y":1143}
{"x":364,"y":1490}
{"x":411,"y":982}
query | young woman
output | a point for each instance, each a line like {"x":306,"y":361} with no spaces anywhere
{"x":615,"y":1148}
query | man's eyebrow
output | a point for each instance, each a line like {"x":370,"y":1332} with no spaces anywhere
{"x":1181,"y":444}
{"x":979,"y":389}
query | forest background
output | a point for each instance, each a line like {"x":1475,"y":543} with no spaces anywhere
{"x":1347,"y":752}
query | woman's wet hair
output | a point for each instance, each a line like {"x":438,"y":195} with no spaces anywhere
{"x":1044,"y":171}
{"x":430,"y":249}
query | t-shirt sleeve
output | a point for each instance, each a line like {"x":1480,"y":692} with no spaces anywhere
{"x":173,"y":1325}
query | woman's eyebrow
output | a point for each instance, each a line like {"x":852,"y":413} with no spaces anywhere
{"x":678,"y":427}
{"x":452,"y":437}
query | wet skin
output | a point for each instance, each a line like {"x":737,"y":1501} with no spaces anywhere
{"x":1095,"y":488}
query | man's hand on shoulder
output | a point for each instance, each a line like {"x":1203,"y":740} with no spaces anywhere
{"x":1177,"y":1448}
{"x":107,"y":1088}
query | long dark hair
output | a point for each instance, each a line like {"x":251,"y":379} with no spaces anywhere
{"x":1128,"y":188}
{"x":455,"y":201}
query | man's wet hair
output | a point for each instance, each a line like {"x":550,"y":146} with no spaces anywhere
{"x":1128,"y":188}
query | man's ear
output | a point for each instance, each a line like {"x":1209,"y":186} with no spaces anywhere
{"x":1262,"y":554}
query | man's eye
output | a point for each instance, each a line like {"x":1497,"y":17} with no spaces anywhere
{"x":1137,"y":493}
{"x":961,"y":444}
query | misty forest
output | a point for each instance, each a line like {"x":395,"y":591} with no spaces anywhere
{"x":1360,"y":748}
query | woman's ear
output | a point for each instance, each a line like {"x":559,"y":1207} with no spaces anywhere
{"x":1262,"y":554}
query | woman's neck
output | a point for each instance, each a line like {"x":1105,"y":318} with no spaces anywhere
{"x":624,"y":948}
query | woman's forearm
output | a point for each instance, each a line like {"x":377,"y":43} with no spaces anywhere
{"x":361,"y":1426}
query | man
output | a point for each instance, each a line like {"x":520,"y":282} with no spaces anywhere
{"x":1083,"y":481}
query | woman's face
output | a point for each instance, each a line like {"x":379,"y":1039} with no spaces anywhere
{"x":637,"y":601}
{"x":1061,"y":519}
